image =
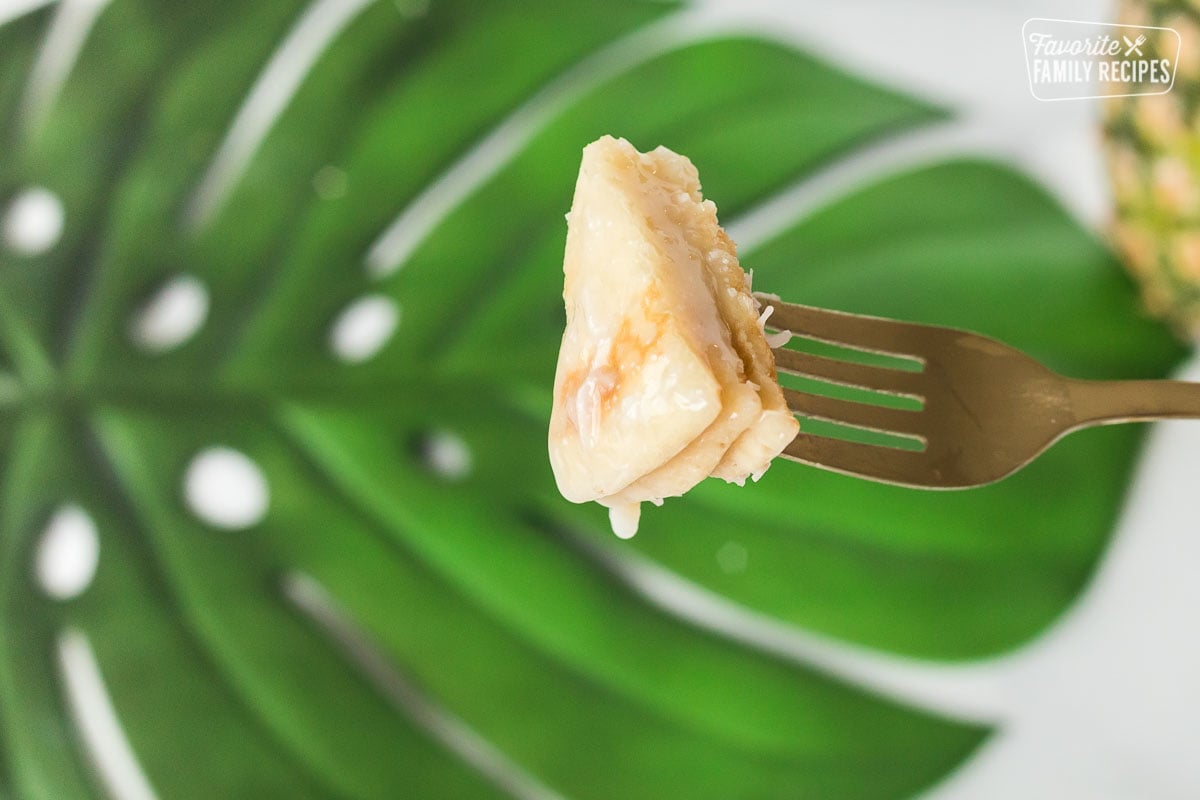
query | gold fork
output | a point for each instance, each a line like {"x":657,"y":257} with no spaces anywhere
{"x":987,"y":409}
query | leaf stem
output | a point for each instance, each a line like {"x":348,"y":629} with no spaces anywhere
{"x":23,"y":468}
{"x":32,"y":364}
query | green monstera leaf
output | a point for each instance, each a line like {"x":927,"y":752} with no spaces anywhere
{"x":276,"y":396}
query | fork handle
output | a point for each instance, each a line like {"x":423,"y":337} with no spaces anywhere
{"x":1108,"y":402}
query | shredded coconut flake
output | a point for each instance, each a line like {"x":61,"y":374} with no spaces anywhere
{"x":775,"y":340}
{"x":766,"y":315}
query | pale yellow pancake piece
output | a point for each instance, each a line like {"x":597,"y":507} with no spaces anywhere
{"x":664,"y":375}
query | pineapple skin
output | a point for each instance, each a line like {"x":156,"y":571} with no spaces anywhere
{"x":1152,"y":146}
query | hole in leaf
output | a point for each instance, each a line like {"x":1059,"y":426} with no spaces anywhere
{"x":68,"y":553}
{"x":100,"y":729}
{"x":364,"y":327}
{"x":33,"y":221}
{"x":171,"y":316}
{"x":355,"y":644}
{"x":445,"y":454}
{"x":226,"y":489}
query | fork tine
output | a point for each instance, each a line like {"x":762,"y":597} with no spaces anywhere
{"x":859,"y":415}
{"x":863,"y":376}
{"x":876,"y":334}
{"x":885,"y":464}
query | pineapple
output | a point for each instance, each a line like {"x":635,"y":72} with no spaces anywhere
{"x":1153,"y":151}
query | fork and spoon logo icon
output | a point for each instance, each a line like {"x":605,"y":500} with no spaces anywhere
{"x":1134,"y":46}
